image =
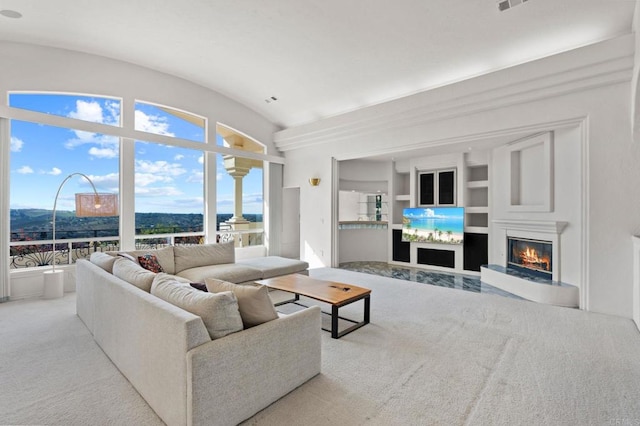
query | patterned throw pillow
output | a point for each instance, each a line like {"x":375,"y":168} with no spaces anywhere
{"x":150,"y":262}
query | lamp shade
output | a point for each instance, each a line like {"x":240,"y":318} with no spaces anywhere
{"x":96,"y":205}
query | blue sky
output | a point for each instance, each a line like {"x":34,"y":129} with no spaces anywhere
{"x":168,"y":179}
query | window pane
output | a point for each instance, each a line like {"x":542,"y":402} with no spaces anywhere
{"x":41,"y":158}
{"x":167,"y":121}
{"x":169,"y":184}
{"x":88,"y":108}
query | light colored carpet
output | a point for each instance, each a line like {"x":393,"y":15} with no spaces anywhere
{"x":53,"y":373}
{"x":430,"y":356}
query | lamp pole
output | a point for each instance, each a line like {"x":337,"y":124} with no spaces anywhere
{"x":53,"y":280}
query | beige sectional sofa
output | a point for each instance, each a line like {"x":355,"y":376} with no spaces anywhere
{"x":197,"y":262}
{"x":168,"y":354}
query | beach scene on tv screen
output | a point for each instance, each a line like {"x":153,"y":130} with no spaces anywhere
{"x":433,"y":225}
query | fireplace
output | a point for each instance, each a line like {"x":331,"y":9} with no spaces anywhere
{"x":530,"y":256}
{"x":527,"y":257}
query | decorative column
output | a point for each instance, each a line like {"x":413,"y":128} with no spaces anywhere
{"x":237,"y":168}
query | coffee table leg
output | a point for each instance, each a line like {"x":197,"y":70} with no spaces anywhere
{"x":334,"y":321}
{"x":367,"y":308}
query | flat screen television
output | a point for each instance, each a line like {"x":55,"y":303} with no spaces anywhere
{"x":443,"y":225}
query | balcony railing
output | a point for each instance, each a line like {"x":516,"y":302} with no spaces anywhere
{"x":39,"y":253}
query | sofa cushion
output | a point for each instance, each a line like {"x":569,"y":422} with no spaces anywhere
{"x":133,"y":273}
{"x":187,"y":257}
{"x":274,"y":266}
{"x":255,"y":304}
{"x":231,"y":272}
{"x":150,"y":262}
{"x":218,"y":311}
{"x":103,"y":260}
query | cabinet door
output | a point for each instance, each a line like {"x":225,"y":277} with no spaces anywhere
{"x":476,"y":251}
{"x":427,"y":189}
{"x":446,"y":188}
{"x":401,"y":249}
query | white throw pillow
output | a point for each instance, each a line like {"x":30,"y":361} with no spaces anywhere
{"x":219,"y":312}
{"x":255,"y":304}
{"x":133,"y":273}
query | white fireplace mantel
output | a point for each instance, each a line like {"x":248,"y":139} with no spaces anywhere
{"x":542,"y":226}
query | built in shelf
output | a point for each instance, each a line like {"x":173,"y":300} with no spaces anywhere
{"x":478,"y":184}
{"x":476,"y":229}
{"x":530,"y":287}
{"x":476,"y":209}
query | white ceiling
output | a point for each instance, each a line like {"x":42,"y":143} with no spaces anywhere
{"x":318,"y":58}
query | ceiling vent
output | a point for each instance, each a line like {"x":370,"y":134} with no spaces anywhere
{"x":508,"y":4}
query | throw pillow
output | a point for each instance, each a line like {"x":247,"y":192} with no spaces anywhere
{"x":219,"y":312}
{"x":255,"y":304}
{"x":133,"y":273}
{"x":150,"y":262}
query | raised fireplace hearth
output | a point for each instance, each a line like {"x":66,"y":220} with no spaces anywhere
{"x":529,"y":265}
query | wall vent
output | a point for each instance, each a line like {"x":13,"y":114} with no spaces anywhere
{"x":508,"y":4}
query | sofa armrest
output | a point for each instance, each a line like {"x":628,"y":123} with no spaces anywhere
{"x":232,"y":378}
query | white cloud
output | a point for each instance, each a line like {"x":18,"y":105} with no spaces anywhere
{"x":25,"y":170}
{"x":54,"y":171}
{"x":103,"y":152}
{"x":201,"y":159}
{"x":159,"y":167}
{"x":178,"y":157}
{"x":16,"y":144}
{"x":152,"y":124}
{"x":197,"y":176}
{"x":146,"y":179}
{"x":110,"y":182}
{"x":88,"y":111}
{"x":219,"y":176}
{"x":159,"y":191}
{"x":83,"y":138}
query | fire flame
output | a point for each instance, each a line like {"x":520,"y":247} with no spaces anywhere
{"x":529,"y":257}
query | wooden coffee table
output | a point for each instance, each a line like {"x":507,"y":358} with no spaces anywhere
{"x":333,"y":293}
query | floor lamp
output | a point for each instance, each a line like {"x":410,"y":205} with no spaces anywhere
{"x":87,"y":205}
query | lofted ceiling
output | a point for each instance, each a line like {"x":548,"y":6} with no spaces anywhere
{"x":318,"y":59}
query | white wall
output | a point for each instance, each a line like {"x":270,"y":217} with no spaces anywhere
{"x":567,"y":156}
{"x":290,"y":244}
{"x":590,"y":87}
{"x":368,"y":245}
{"x":315,"y":203}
